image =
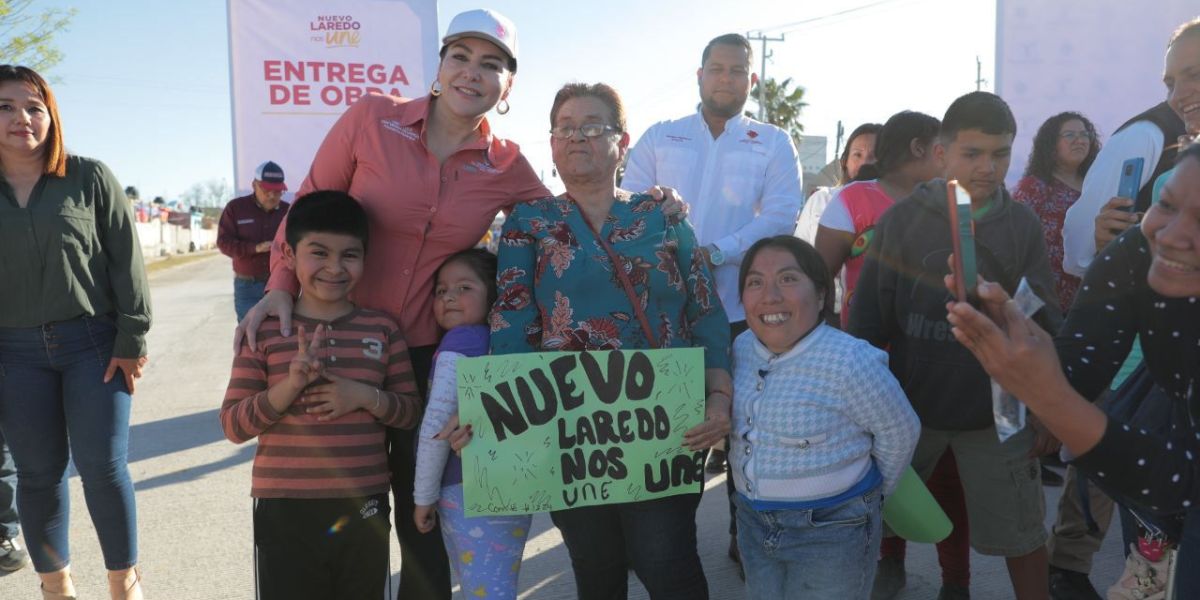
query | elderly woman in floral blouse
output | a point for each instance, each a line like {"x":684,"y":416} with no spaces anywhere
{"x":558,"y":290}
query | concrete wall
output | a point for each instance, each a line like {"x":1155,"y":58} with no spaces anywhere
{"x":161,"y":239}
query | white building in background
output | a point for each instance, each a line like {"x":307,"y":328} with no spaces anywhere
{"x":813,"y":155}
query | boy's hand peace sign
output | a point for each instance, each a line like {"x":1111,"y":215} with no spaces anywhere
{"x":305,"y":367}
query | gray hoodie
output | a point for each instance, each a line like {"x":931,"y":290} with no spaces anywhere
{"x":900,"y":299}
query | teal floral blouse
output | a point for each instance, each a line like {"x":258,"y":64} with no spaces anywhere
{"x":558,"y":291}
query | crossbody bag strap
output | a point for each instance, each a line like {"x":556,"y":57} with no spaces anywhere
{"x":619,"y":268}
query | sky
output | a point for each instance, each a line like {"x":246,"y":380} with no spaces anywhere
{"x":144,"y":86}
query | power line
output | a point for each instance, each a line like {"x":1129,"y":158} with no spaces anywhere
{"x":796,"y":24}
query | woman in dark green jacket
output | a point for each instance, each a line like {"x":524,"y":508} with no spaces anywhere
{"x":74,"y":312}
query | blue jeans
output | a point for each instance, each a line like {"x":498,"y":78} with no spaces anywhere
{"x":818,"y":553}
{"x":246,"y":294}
{"x":54,"y":405}
{"x":655,"y":537}
{"x":1187,"y":566}
{"x":8,"y":493}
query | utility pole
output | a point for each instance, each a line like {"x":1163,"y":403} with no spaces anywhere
{"x":837,"y":148}
{"x":762,"y":73}
{"x":979,"y":80}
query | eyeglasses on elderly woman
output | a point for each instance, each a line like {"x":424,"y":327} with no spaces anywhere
{"x":588,"y":130}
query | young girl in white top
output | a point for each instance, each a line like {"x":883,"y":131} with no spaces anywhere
{"x":485,"y":551}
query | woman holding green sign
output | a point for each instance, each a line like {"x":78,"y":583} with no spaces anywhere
{"x":821,"y":432}
{"x":558,"y":291}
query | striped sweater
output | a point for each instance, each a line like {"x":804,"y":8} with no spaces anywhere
{"x":299,"y":456}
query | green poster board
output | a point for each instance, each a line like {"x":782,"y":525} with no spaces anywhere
{"x":556,"y":430}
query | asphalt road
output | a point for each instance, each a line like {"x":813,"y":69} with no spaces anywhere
{"x":193,"y":485}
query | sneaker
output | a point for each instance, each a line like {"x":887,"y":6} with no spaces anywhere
{"x":716,"y":462}
{"x":1143,"y":579}
{"x":12,"y":557}
{"x":951,"y":591}
{"x":889,"y":578}
{"x":1066,"y":584}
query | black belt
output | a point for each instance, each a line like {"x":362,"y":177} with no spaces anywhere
{"x":262,"y":279}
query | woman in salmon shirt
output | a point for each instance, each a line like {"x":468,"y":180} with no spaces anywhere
{"x":432,"y":177}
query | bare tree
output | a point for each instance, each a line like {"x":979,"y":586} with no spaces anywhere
{"x":218,"y":191}
{"x":207,"y":194}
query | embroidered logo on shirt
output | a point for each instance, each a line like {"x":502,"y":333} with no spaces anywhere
{"x":678,"y":138}
{"x":372,"y":348}
{"x":245,"y":221}
{"x":481,"y":166}
{"x":370,"y":509}
{"x":750,"y":138}
{"x":395,"y":127}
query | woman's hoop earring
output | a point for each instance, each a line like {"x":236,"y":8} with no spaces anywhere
{"x":502,"y":107}
{"x":435,"y":89}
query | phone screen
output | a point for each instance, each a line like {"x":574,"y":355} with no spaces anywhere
{"x":1131,"y":180}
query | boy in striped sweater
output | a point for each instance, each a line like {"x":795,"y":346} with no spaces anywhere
{"x":319,"y":405}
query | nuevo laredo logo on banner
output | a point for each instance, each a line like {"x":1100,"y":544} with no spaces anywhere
{"x":345,"y":83}
{"x":339,"y":30}
{"x":296,"y":66}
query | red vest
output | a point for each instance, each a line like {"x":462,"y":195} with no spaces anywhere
{"x":866,"y":202}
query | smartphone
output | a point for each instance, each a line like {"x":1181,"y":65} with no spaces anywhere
{"x":962,"y":234}
{"x":1131,"y":180}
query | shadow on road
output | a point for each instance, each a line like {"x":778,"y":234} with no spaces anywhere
{"x":244,"y":454}
{"x":151,"y":440}
{"x":158,"y":438}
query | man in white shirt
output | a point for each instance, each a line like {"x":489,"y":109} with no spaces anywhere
{"x":1099,"y":215}
{"x":741,"y":177}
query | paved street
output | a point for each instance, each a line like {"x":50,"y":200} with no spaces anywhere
{"x":193,"y":485}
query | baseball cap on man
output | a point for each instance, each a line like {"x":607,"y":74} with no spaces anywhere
{"x":270,"y":177}
{"x":486,"y":25}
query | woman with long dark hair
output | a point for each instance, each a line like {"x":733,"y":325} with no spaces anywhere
{"x":1063,"y":150}
{"x":903,"y":155}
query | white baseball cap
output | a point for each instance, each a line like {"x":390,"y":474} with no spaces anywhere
{"x":484,"y":24}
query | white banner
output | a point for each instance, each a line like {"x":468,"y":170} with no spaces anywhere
{"x":1102,"y":58}
{"x":295,"y":65}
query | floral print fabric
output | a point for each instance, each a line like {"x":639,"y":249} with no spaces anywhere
{"x":1050,"y":201}
{"x":558,"y":290}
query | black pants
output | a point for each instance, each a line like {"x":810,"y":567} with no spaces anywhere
{"x":327,"y":549}
{"x":424,"y":568}
{"x":657,"y":538}
{"x":735,"y":329}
